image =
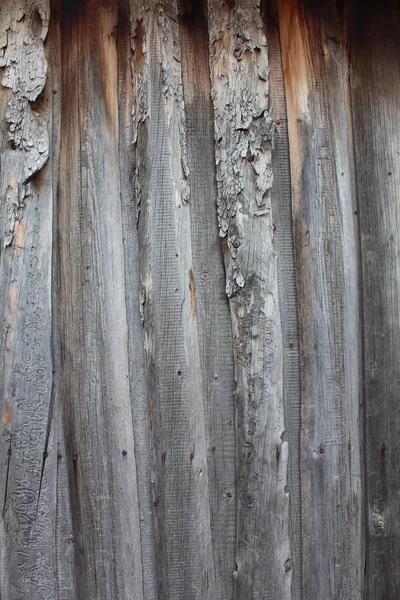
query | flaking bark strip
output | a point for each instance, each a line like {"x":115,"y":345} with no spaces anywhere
{"x":23,"y":30}
{"x":26,"y":527}
{"x":170,"y":62}
{"x":243,"y":146}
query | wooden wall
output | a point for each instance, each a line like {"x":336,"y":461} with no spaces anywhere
{"x":199,"y":300}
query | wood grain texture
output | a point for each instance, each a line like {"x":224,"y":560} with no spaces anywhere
{"x":281,"y":209}
{"x":211,"y":304}
{"x":244,"y":143}
{"x":100,"y":445}
{"x":199,"y":300}
{"x":137,"y":368}
{"x":375,"y":90}
{"x":28,"y":459}
{"x":181,"y":508}
{"x":64,"y":567}
{"x":326,"y":243}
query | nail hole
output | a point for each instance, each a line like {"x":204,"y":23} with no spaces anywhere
{"x":228,"y":495}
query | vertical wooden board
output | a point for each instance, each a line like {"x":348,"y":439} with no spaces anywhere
{"x":176,"y":413}
{"x":64,"y":563}
{"x":281,"y":208}
{"x":375,"y":87}
{"x":137,"y":370}
{"x":210,"y":302}
{"x":326,"y":245}
{"x":243,"y":130}
{"x":28,"y":460}
{"x":95,"y":370}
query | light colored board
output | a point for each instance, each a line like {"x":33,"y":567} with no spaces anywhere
{"x":281,"y":208}
{"x":100,"y":445}
{"x":375,"y":90}
{"x":212,"y":309}
{"x":180,"y":491}
{"x":327,"y":258}
{"x":137,"y":372}
{"x":243,"y":129}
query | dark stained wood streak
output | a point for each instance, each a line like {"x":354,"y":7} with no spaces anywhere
{"x":374,"y":34}
{"x":93,"y":317}
{"x":243,"y":132}
{"x":180,"y":491}
{"x":64,"y":571}
{"x":212,"y":309}
{"x":327,"y":259}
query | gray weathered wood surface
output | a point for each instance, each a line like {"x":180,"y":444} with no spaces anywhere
{"x":374,"y":38}
{"x":199,"y":300}
{"x":326,"y":246}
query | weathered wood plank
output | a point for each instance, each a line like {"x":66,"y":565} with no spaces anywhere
{"x":28,"y":458}
{"x":212,"y":310}
{"x":244,"y":137}
{"x":375,"y":89}
{"x":281,"y":208}
{"x":64,"y":559}
{"x":326,"y":244}
{"x":175,"y":395}
{"x":137,"y":370}
{"x":93,"y":319}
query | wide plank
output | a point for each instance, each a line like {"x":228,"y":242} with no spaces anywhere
{"x":374,"y":36}
{"x":327,"y":272}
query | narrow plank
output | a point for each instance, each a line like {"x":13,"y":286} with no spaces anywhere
{"x":64,"y":540}
{"x":281,"y":208}
{"x":327,"y":258}
{"x":185,"y":566}
{"x":137,"y":367}
{"x":28,"y":460}
{"x":243,"y":144}
{"x":212,"y":309}
{"x":100,"y":447}
{"x":375,"y":87}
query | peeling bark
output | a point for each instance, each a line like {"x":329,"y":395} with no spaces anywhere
{"x":244,"y":130}
{"x":198,"y":300}
{"x":26,"y":526}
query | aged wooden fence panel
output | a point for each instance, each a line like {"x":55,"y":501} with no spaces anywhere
{"x":199,"y":300}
